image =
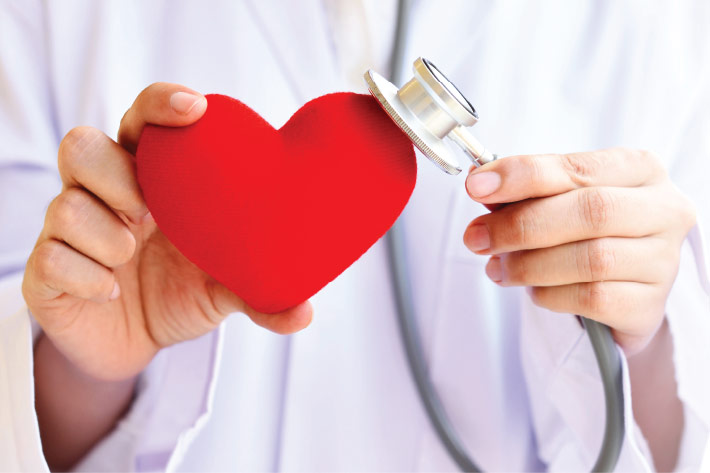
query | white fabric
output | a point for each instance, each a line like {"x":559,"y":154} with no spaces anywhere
{"x":20,"y":446}
{"x":520,"y":383}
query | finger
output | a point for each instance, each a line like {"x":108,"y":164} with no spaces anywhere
{"x":625,"y":306}
{"x":55,"y":269}
{"x":90,"y":159}
{"x":160,"y":104}
{"x":645,"y":260}
{"x":289,"y":321}
{"x":84,"y":223}
{"x":517,"y":178}
{"x":582,"y":214}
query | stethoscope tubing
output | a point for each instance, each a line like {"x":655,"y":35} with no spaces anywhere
{"x":605,"y":349}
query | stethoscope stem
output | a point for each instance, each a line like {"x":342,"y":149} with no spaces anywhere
{"x":473,"y":148}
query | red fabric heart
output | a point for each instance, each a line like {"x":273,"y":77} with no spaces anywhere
{"x":275,"y":215}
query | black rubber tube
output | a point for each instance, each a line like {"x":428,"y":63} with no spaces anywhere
{"x":609,"y":362}
{"x":415,"y":354}
{"x":605,"y":350}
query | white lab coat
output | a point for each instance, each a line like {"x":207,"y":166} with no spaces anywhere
{"x":520,"y":383}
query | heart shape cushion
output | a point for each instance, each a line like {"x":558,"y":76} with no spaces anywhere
{"x":275,"y":215}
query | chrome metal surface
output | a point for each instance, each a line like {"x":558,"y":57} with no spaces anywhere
{"x":471,"y":146}
{"x":444,"y":92}
{"x":429,"y":108}
{"x":432,"y":147}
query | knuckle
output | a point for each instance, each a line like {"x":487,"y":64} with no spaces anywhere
{"x":535,"y":168}
{"x":149,"y":95}
{"x":687,"y":213}
{"x":134,"y":202}
{"x":122,"y":124}
{"x":581,"y":168}
{"x":537,"y":296}
{"x":69,"y":209}
{"x":103,"y":285}
{"x":599,"y":259}
{"x":652,"y":160}
{"x":681,"y":207}
{"x":519,"y":225}
{"x":123,"y":249}
{"x":157,"y":88}
{"x":76,"y":145}
{"x":597,"y":207}
{"x":593,"y":298}
{"x":97,"y":285}
{"x":47,"y":260}
{"x":516,"y":268}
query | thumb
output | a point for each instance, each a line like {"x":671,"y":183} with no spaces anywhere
{"x":160,"y":104}
{"x":289,"y":321}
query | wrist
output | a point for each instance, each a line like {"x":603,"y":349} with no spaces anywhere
{"x":48,"y":356}
{"x":74,"y":410}
{"x":658,"y":343}
{"x":657,"y":409}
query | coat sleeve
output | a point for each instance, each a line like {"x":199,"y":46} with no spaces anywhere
{"x":174,"y":392}
{"x":566,"y":395}
{"x":560,"y":369}
{"x":172,"y":402}
{"x":688,"y":306}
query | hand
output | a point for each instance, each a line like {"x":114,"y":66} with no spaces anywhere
{"x":596,"y":234}
{"x":106,"y":286}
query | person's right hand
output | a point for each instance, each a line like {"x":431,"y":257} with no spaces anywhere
{"x":105,"y":285}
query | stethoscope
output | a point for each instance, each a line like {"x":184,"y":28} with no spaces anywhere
{"x":434,"y":113}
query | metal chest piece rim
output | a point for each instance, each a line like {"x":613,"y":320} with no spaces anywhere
{"x":428,"y":109}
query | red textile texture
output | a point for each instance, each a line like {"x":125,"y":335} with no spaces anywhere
{"x":275,"y":215}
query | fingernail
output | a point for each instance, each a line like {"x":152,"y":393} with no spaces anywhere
{"x":184,"y":102}
{"x":482,"y":184}
{"x":115,"y":293}
{"x":477,"y":237}
{"x":494,"y":269}
{"x":147,"y":218}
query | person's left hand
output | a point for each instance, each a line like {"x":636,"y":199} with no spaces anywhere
{"x":596,"y":234}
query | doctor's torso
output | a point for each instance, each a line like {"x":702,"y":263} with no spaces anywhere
{"x":339,"y":396}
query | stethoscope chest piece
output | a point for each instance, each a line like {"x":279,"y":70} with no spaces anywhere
{"x":429,"y":109}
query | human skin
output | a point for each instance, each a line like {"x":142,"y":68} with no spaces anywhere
{"x":596,"y":234}
{"x":108,"y":289}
